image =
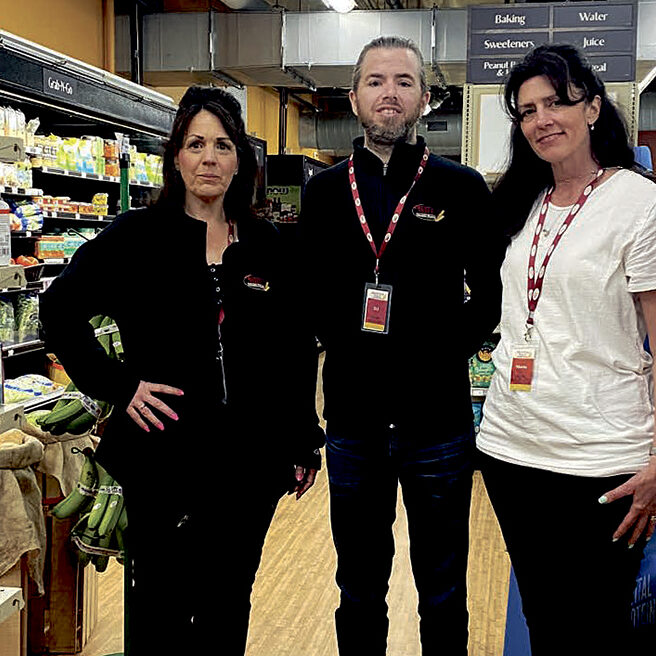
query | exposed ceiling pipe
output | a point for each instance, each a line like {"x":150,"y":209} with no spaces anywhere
{"x":136,"y":41}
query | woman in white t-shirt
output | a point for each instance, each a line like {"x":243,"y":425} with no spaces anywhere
{"x":567,"y":440}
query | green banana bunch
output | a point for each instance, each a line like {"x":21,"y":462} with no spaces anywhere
{"x":81,"y":498}
{"x":69,"y":415}
{"x":99,"y":533}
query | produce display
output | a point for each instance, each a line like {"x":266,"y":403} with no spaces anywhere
{"x":27,"y":387}
{"x":19,"y":316}
{"x":98,"y":534}
{"x":76,"y":413}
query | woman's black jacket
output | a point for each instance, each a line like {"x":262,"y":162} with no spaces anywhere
{"x":148,"y":271}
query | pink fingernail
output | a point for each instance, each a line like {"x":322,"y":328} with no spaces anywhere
{"x":147,"y":429}
{"x":175,"y":417}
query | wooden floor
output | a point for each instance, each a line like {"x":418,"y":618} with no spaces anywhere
{"x":294,"y":596}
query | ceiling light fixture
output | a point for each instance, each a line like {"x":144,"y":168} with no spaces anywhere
{"x":340,"y":6}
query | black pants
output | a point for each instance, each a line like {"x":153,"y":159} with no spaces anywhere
{"x":576,"y":584}
{"x":194,"y":565}
{"x":364,"y":473}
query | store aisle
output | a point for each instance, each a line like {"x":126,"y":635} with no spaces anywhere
{"x":295,"y":596}
{"x":297,"y":572}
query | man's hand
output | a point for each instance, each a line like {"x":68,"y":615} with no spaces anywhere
{"x":305,"y":478}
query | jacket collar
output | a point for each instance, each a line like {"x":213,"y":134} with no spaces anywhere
{"x":403,"y":162}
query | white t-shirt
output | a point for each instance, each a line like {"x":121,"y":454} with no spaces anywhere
{"x":590,"y":412}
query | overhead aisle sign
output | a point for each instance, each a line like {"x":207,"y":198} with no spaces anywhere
{"x":499,"y":37}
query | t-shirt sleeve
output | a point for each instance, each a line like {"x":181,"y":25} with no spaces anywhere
{"x":641,"y":258}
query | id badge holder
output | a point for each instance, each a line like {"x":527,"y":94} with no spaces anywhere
{"x":523,"y":368}
{"x":376,"y":309}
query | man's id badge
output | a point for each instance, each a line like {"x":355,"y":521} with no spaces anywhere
{"x":375,"y":315}
{"x":522,"y":368}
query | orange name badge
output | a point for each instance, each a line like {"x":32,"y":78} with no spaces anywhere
{"x":522,"y":368}
{"x":375,"y":315}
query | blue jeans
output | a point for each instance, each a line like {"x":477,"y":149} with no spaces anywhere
{"x":364,"y":472}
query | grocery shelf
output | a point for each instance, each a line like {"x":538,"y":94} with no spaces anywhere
{"x":56,"y":260}
{"x":97,"y":177}
{"x":38,"y":401}
{"x":21,"y":191}
{"x":20,"y":348}
{"x":35,"y":286}
{"x":79,"y":219}
{"x":25,"y":234}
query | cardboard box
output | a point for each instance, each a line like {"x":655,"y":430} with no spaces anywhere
{"x":62,"y":621}
{"x":13,"y":631}
{"x":12,"y":276}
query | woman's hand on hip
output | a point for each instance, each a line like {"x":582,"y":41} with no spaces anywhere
{"x":641,"y":517}
{"x":143,"y":403}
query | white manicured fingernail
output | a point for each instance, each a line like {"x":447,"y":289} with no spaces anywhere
{"x":603,"y":499}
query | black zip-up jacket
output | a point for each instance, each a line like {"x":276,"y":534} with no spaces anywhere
{"x":148,"y":271}
{"x":417,"y":375}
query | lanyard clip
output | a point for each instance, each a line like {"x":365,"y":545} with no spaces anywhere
{"x":528,"y":335}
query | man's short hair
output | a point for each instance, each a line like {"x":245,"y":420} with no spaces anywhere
{"x":390,"y":42}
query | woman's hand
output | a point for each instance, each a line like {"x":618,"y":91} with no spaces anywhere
{"x":642,"y":514}
{"x":305,"y":477}
{"x":141,"y":407}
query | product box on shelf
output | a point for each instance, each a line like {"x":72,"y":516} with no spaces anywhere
{"x":49,"y":247}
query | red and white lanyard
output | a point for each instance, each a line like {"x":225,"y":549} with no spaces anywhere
{"x":536,"y":278}
{"x":395,"y":217}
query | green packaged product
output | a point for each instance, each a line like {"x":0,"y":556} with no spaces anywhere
{"x":481,"y":366}
{"x":26,"y":316}
{"x":6,"y":320}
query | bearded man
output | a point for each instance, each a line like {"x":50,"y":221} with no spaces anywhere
{"x":387,"y":238}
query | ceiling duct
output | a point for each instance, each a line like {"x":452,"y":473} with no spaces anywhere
{"x":334,"y":133}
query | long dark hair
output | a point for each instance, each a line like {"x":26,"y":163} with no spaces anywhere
{"x":239,"y":196}
{"x":527,"y":175}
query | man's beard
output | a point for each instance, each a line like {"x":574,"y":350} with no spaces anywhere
{"x":390,"y":131}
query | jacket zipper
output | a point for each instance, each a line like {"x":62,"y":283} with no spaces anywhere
{"x":219,"y":357}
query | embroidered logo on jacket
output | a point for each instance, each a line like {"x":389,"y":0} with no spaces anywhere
{"x":427,"y":213}
{"x":253,"y":282}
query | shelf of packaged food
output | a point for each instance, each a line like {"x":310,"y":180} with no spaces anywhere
{"x":97,"y":177}
{"x":21,"y":191}
{"x":76,"y":216}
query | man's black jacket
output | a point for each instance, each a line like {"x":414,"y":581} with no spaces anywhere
{"x":148,"y":272}
{"x":418,"y":373}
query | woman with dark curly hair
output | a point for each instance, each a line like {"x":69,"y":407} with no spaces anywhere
{"x":567,"y":441}
{"x":214,"y":404}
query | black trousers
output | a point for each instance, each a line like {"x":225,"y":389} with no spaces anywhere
{"x":193,"y":564}
{"x":365,"y":471}
{"x":576,"y":584}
